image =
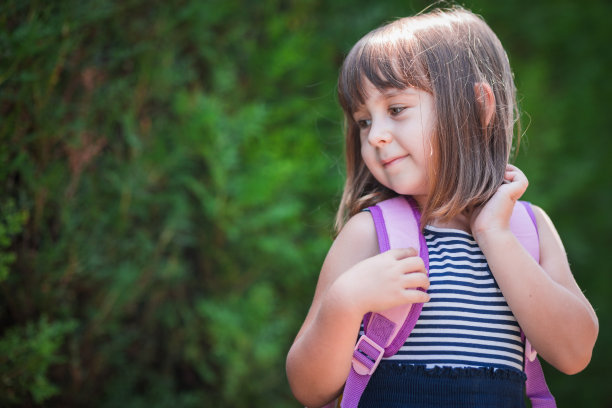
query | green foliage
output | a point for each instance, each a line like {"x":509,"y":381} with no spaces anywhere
{"x":11,"y":224}
{"x":170,"y":172}
{"x":27,"y":353}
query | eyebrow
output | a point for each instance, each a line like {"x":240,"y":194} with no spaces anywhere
{"x":397,"y":91}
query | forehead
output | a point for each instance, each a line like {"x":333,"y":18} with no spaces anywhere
{"x":372,"y":93}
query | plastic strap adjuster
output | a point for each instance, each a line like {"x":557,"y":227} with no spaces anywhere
{"x":367,"y":356}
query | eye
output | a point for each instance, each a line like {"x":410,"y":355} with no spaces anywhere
{"x":396,"y":110}
{"x":364,"y":123}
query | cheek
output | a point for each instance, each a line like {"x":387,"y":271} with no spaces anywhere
{"x":365,"y":154}
{"x":369,"y":158}
{"x":373,"y":167}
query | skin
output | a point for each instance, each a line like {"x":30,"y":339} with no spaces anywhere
{"x":355,"y":279}
{"x":395,"y":126}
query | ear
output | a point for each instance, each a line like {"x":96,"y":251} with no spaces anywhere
{"x":485,"y":98}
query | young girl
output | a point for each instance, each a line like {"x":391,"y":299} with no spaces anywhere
{"x":430,"y":111}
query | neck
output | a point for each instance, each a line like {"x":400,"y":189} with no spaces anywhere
{"x":460,"y":222}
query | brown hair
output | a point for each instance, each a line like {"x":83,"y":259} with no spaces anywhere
{"x":445,"y":52}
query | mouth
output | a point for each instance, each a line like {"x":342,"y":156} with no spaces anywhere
{"x":391,"y":161}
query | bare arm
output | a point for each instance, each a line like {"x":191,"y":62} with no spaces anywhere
{"x":354,"y":279}
{"x":556,"y":317}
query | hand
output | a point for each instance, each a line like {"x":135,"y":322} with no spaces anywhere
{"x":495,"y":214}
{"x":384,"y":281}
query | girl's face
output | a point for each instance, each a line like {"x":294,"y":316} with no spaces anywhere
{"x":395,"y":129}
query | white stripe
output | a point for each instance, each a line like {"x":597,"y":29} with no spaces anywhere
{"x":460,"y":350}
{"x":477,"y":291}
{"x":448,"y":252}
{"x":454,"y":331}
{"x":443,"y":229}
{"x":435,"y":264}
{"x":447,"y":269}
{"x":455,"y":340}
{"x":478,"y":361}
{"x":452,"y":245}
{"x":460,"y":280}
{"x":471,"y":325}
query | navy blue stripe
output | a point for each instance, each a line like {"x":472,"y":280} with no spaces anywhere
{"x":466,"y":301}
{"x":450,"y":237}
{"x":436,"y":309}
{"x":466,"y":292}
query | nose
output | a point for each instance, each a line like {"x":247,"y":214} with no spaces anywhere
{"x":379,"y":134}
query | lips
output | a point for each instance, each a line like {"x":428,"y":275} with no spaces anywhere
{"x":392,"y":160}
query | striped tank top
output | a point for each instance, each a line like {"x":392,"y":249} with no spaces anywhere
{"x":467,"y":322}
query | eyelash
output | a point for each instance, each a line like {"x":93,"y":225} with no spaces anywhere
{"x":394,"y":111}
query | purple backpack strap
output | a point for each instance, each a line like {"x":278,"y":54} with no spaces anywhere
{"x":397,"y":226}
{"x":397,"y":223}
{"x":523,"y":224}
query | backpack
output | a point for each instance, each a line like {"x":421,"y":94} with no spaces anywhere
{"x":397,"y":223}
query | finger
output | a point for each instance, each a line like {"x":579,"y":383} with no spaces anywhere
{"x":416,"y":296}
{"x":518,"y":182}
{"x":513,"y":173}
{"x":412,"y":265}
{"x":511,"y":167}
{"x":415,"y":280}
{"x":510,"y":176}
{"x":403,"y":253}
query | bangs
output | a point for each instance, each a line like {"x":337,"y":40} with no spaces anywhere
{"x":387,"y":58}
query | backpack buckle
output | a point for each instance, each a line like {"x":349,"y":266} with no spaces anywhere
{"x":366,"y":355}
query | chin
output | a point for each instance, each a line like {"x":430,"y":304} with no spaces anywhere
{"x":407,"y":191}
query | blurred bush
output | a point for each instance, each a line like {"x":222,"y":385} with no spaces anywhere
{"x":170,"y":171}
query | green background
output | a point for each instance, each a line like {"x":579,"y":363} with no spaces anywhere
{"x":170,"y":172}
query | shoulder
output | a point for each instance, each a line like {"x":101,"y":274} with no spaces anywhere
{"x":540,"y":214}
{"x":356,"y":241}
{"x":359,"y":234}
{"x":359,"y":223}
{"x":546,"y":228}
{"x":552,"y":252}
{"x":537,"y":216}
